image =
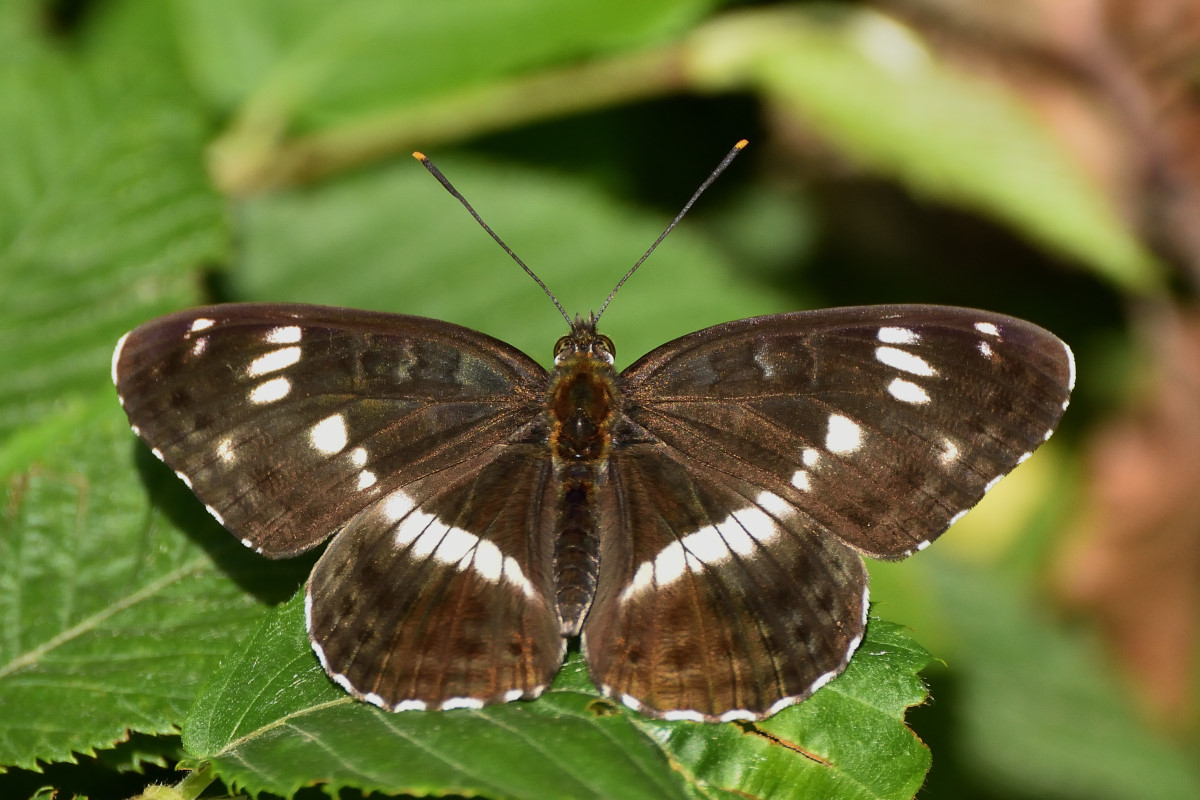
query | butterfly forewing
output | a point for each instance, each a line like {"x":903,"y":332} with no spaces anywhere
{"x":288,"y":420}
{"x":882,"y":423}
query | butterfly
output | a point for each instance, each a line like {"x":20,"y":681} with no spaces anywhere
{"x":697,"y":519}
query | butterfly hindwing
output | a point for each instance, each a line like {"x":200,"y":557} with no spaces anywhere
{"x":439,"y":596}
{"x":717,"y":599}
{"x":287,"y":420}
{"x":882,"y":423}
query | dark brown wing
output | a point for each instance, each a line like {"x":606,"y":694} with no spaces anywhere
{"x":287,"y":420}
{"x":439,"y":596}
{"x":756,"y":457}
{"x":417,"y":442}
{"x":882,"y":423}
{"x":718,"y":600}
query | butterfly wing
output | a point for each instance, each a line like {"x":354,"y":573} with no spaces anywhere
{"x":799,"y":437}
{"x":287,"y":420}
{"x":416,"y":441}
{"x":437,"y":597}
{"x":884,"y":423}
{"x":717,"y":599}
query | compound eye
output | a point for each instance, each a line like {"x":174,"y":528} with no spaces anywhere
{"x":561,"y":345}
{"x":606,"y":344}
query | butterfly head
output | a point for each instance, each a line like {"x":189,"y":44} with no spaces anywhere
{"x":584,"y":343}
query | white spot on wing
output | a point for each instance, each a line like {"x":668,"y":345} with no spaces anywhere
{"x":320,"y":651}
{"x":821,"y":681}
{"x":904,"y":361}
{"x":201,"y":324}
{"x":683,"y":714}
{"x":958,"y":516}
{"x":270,"y":391}
{"x":116,"y":356}
{"x":907,"y":392}
{"x":780,"y":705}
{"x":800,"y":480}
{"x":843,"y":436}
{"x":186,"y":480}
{"x":212,"y":511}
{"x":737,"y":713}
{"x":987,"y":328}
{"x":409,"y":705}
{"x":738,"y":534}
{"x":366,"y":479}
{"x":488,"y":561}
{"x":764,"y":364}
{"x":898,"y":336}
{"x":986,"y":350}
{"x":949,"y":451}
{"x":358,"y":456}
{"x":225,"y":450}
{"x":1071,"y":372}
{"x":221,"y":519}
{"x":199,"y":346}
{"x":329,"y":435}
{"x":456,"y":546}
{"x":284,"y":335}
{"x":642,"y":579}
{"x":461,"y":702}
{"x":811,"y":457}
{"x":429,"y":537}
{"x":273,"y":361}
{"x":513,"y":694}
{"x":514,"y":575}
{"x":773,"y":504}
{"x":673,"y":560}
{"x":397,"y":506}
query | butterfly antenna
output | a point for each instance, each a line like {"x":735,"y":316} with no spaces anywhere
{"x":449,"y":187}
{"x":725,"y":162}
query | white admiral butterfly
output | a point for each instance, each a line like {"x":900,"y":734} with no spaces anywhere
{"x":697,"y":518}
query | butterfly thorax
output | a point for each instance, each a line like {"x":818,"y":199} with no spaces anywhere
{"x":581,"y":406}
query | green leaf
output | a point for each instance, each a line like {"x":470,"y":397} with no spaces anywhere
{"x":105,"y":213}
{"x":270,"y":720}
{"x":393,"y":240}
{"x":115,"y":614}
{"x":302,"y":65}
{"x":871,"y":89}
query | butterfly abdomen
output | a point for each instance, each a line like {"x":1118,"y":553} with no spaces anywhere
{"x":581,"y":410}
